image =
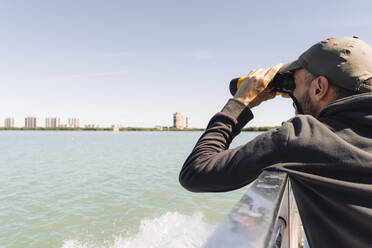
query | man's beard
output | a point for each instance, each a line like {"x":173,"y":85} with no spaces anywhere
{"x":307,"y":106}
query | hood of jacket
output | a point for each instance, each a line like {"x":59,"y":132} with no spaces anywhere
{"x":353,"y":112}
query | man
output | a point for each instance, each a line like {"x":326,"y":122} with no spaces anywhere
{"x":327,"y":152}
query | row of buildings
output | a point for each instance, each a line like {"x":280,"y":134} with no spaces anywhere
{"x":180,"y":121}
{"x":50,"y":122}
{"x":54,"y":122}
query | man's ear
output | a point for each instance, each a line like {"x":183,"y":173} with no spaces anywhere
{"x":320,"y":88}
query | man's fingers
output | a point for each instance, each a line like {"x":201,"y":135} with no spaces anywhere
{"x":252,"y":72}
{"x":253,"y":89}
{"x":256,"y":73}
{"x":271,"y":95}
{"x":271,"y":72}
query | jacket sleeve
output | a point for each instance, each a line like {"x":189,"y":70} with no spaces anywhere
{"x":213,"y":167}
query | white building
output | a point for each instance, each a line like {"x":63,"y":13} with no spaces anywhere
{"x":73,"y":122}
{"x":180,"y":121}
{"x":52,"y":122}
{"x":30,"y":122}
{"x":158,"y":127}
{"x":116,"y":127}
{"x":9,"y":122}
{"x":92,"y":126}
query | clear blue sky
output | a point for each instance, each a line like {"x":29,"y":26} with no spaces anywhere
{"x":137,"y":62}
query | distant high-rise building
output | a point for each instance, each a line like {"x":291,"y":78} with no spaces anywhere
{"x":180,"y":121}
{"x":73,"y":122}
{"x":9,"y":122}
{"x":30,"y":122}
{"x":52,"y":122}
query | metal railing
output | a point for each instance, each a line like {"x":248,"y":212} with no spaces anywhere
{"x":266,"y":216}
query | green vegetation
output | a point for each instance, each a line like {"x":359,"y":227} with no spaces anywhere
{"x":248,"y":129}
{"x":258,"y":129}
{"x":142,"y":129}
{"x":186,"y":129}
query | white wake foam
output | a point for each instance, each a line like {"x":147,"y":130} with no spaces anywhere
{"x":171,"y":230}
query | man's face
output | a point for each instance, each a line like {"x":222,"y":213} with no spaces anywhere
{"x":302,"y":93}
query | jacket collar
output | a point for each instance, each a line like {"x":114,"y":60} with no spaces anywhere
{"x":359,"y":102}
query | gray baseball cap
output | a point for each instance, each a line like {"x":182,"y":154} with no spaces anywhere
{"x":344,"y":61}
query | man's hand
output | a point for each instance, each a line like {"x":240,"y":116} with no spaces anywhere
{"x":253,"y":90}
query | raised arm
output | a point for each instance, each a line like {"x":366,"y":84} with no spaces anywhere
{"x":212,"y":166}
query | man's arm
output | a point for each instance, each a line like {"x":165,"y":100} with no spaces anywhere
{"x":212,"y":166}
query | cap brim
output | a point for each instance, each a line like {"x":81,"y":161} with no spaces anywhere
{"x":290,"y":67}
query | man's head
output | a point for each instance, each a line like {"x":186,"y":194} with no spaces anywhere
{"x":315,"y":93}
{"x":330,"y":70}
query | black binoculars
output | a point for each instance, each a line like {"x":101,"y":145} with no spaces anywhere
{"x":280,"y":83}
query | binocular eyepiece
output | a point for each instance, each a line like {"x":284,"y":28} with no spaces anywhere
{"x":280,"y":83}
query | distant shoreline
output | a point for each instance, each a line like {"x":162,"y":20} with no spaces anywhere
{"x":165,"y":129}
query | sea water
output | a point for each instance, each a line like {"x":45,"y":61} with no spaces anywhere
{"x":81,"y":189}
